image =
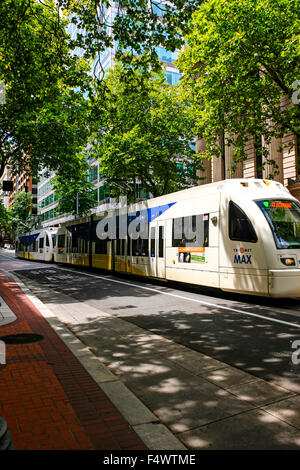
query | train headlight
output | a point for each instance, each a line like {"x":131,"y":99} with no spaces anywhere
{"x":288,"y":261}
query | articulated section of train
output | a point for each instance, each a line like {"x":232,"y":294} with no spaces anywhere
{"x":240,"y":235}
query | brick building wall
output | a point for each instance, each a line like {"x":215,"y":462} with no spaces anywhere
{"x":21,"y":182}
{"x":285,"y":152}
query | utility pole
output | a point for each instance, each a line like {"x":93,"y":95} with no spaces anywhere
{"x":77,"y":206}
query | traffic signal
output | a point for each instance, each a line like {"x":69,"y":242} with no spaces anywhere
{"x":8,"y":186}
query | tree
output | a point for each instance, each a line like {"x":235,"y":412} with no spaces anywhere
{"x":42,"y":118}
{"x":76,"y":195}
{"x":4,"y":220}
{"x":142,"y":134}
{"x":139,"y":26}
{"x":241,"y":59}
{"x":20,"y":218}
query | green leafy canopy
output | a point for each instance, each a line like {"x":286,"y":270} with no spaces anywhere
{"x":19,"y":214}
{"x":75,"y":195}
{"x":42,"y":121}
{"x":142,"y":133}
{"x":240,"y":63}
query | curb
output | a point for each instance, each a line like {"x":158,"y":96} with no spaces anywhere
{"x":6,"y":314}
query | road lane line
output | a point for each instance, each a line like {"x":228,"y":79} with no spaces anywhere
{"x":209,"y":304}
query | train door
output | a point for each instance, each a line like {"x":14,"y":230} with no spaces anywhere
{"x":41,"y":247}
{"x":160,"y":251}
{"x":152,"y":248}
{"x":213,"y":255}
{"x":157,"y":249}
{"x":123,"y":254}
{"x":243,"y":265}
{"x":120,"y":255}
{"x":128,"y":259}
{"x":47,"y":248}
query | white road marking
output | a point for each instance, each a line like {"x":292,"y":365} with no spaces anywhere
{"x":209,"y":304}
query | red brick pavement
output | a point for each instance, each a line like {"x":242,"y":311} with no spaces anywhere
{"x":46,"y":396}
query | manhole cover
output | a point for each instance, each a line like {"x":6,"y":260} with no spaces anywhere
{"x":21,"y":338}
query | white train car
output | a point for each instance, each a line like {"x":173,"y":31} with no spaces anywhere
{"x":37,"y":246}
{"x":73,"y":244}
{"x":239,"y":235}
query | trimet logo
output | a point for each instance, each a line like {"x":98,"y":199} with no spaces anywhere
{"x":242,"y":259}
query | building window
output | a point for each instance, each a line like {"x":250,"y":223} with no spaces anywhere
{"x":173,"y":77}
{"x":104,"y":192}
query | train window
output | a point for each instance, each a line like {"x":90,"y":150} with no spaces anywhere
{"x":41,"y":243}
{"x":140,"y":247}
{"x":82,"y":245}
{"x":135,"y":248}
{"x":83,"y":233}
{"x":74,"y":242}
{"x":191,"y":231}
{"x":128,"y":246}
{"x":100,"y":246}
{"x":118,"y":247}
{"x":283,"y":217}
{"x":123,"y":247}
{"x":33,"y":247}
{"x":161,"y":242}
{"x":240,"y":227}
{"x":47,"y":240}
{"x":152,"y":242}
{"x":61,"y":241}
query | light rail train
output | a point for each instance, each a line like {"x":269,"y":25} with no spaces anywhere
{"x":37,"y":245}
{"x":239,"y":235}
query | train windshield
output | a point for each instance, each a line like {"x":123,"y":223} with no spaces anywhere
{"x":283,"y":217}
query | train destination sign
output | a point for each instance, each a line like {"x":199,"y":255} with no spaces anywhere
{"x":277,"y":204}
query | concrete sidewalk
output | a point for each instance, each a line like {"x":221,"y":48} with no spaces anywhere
{"x":49,"y":400}
{"x":172,"y":397}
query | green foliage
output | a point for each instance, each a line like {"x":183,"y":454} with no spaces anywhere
{"x":43,"y":118}
{"x":240,"y":60}
{"x":138,"y":26}
{"x":4,"y":219}
{"x":20,"y":218}
{"x":141,"y":133}
{"x":75,"y":195}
